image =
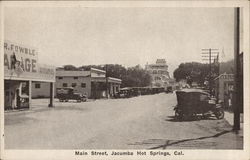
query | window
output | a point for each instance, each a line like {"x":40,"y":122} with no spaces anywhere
{"x":73,"y":85}
{"x":37,"y":85}
{"x":83,"y":85}
{"x":60,"y":77}
{"x":65,"y":85}
{"x":75,"y":77}
{"x":157,"y":78}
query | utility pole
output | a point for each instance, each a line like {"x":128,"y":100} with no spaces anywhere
{"x":107,"y":87}
{"x":208,"y":55}
{"x":236,"y":98}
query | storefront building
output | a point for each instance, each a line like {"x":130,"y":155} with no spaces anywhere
{"x":224,"y":84}
{"x":21,"y":69}
{"x":92,"y":83}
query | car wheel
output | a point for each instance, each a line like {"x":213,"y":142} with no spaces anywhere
{"x":219,"y":114}
{"x":178,"y":114}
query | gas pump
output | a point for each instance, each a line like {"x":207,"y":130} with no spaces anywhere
{"x":16,"y":95}
{"x":23,"y":96}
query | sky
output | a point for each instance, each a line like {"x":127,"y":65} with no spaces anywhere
{"x":126,"y":36}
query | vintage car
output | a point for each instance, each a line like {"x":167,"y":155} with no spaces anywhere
{"x":169,"y":89}
{"x":67,"y":93}
{"x":145,"y":90}
{"x":195,"y":102}
{"x":124,"y":93}
{"x":156,"y":90}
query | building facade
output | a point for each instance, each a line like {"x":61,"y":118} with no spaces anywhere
{"x":21,"y":69}
{"x":92,"y":83}
{"x":224,"y":86}
{"x":159,"y":73}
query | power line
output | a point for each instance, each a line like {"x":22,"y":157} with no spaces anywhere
{"x":211,"y":56}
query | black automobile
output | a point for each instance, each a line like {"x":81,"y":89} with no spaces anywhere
{"x":169,"y":89}
{"x":124,"y":93}
{"x":67,"y":93}
{"x":195,"y":102}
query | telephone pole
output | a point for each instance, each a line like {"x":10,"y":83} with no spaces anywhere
{"x":209,"y":55}
{"x":106,"y":77}
{"x":236,"y":98}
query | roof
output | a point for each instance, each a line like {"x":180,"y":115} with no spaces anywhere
{"x":125,"y":88}
{"x":72,"y":73}
{"x":103,"y":79}
{"x":64,"y":88}
{"x":192,"y":90}
{"x":97,"y":70}
{"x":115,"y":79}
{"x":63,"y":73}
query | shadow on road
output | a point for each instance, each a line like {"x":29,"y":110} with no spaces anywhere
{"x":12,"y":117}
{"x":174,"y":119}
{"x":168,"y":143}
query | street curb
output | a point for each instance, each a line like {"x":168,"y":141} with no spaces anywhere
{"x":229,"y":117}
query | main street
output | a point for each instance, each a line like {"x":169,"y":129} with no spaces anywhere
{"x":144,"y":122}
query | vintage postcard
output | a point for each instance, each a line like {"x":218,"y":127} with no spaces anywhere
{"x":124,"y":80}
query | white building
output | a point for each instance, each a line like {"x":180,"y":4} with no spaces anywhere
{"x":92,"y":83}
{"x":159,"y":73}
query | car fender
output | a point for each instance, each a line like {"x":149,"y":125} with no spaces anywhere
{"x":217,"y":106}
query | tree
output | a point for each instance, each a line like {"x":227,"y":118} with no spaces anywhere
{"x":70,"y":67}
{"x":227,"y":67}
{"x":137,"y":77}
{"x":131,"y":77}
{"x":199,"y":72}
{"x":192,"y":72}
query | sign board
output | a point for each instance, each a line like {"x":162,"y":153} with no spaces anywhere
{"x":227,"y":77}
{"x":21,"y":63}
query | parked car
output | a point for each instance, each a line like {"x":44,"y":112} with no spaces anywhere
{"x":169,"y":89}
{"x":156,"y":90}
{"x":194,"y":102}
{"x":124,"y":93}
{"x":136,"y":91}
{"x":67,"y":93}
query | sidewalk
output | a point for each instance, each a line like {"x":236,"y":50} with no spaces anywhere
{"x":229,"y":117}
{"x":232,"y":137}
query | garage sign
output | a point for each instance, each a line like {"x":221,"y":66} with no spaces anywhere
{"x":21,"y":63}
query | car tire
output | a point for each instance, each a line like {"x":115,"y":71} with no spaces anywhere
{"x":219,"y":114}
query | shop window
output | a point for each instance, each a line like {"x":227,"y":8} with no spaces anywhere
{"x":60,"y":77}
{"x":75,"y":77}
{"x":73,"y":85}
{"x":83,"y":85}
{"x":37,"y":85}
{"x":65,"y":85}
